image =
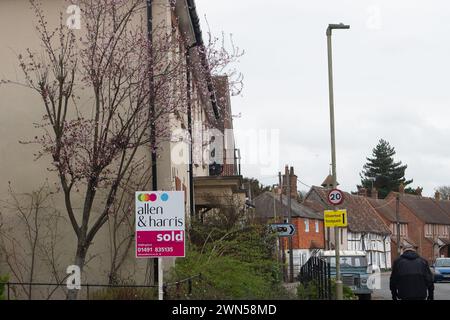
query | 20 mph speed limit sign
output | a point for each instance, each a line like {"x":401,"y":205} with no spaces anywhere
{"x":335,"y":197}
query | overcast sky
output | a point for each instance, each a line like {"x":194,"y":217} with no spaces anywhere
{"x":390,"y":74}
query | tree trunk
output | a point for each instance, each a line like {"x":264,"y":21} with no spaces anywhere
{"x":80,"y":259}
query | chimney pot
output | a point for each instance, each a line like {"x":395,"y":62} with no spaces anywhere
{"x":362,"y":191}
{"x":374,"y":193}
{"x":419,"y":191}
{"x":437,"y":195}
{"x":401,"y":188}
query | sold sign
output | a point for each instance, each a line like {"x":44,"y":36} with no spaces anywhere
{"x":160,"y":224}
{"x":335,"y":197}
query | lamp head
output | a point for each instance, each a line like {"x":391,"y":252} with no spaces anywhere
{"x":336,"y":26}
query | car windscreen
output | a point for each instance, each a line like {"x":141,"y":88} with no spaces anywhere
{"x":346,"y":262}
{"x":443,"y":263}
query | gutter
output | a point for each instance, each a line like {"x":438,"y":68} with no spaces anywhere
{"x":201,"y":46}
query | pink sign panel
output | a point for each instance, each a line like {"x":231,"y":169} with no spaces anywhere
{"x":160,"y":244}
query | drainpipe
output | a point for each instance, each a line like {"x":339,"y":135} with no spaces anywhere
{"x":152,"y":115}
{"x":152,"y":98}
{"x":385,"y":253}
{"x":363,"y":246}
{"x":189,"y":116}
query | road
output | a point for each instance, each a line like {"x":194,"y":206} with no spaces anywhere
{"x":441,"y":290}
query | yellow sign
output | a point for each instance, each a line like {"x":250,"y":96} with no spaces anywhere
{"x":334,"y":218}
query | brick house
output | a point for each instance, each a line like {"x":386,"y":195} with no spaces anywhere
{"x":309,"y":234}
{"x":428,"y":222}
{"x":408,"y":222}
{"x":366,"y":231}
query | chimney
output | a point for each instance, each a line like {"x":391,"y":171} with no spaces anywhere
{"x":284,"y":180}
{"x":437,"y":195}
{"x":293,"y":180}
{"x":401,"y":188}
{"x":362,"y":191}
{"x":374,"y":193}
{"x":419,"y":191}
{"x":289,"y":172}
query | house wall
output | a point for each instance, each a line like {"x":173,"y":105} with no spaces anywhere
{"x":303,"y":239}
{"x":416,"y":232}
{"x":20,"y":108}
{"x":301,"y":256}
{"x":343,"y":237}
{"x":432,"y":233}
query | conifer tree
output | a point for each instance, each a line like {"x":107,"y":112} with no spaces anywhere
{"x":382,"y":172}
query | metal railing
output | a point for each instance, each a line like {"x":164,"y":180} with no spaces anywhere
{"x":180,"y":289}
{"x":317,"y":271}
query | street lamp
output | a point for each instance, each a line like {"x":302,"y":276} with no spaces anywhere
{"x":339,"y":291}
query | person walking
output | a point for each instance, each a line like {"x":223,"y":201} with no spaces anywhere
{"x":411,"y":277}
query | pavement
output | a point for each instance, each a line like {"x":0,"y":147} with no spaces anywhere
{"x":441,"y":289}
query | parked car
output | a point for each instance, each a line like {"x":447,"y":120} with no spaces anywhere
{"x":354,"y":271}
{"x":441,"y":269}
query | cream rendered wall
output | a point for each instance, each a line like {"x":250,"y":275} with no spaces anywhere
{"x":19,"y":109}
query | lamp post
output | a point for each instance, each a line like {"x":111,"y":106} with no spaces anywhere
{"x":339,"y":290}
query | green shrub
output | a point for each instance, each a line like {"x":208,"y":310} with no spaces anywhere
{"x":240,"y":265}
{"x":125,"y":293}
{"x":308,"y":291}
{"x":347,"y":292}
{"x":3,"y":281}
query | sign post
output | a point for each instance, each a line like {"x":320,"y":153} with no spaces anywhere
{"x":160,"y":227}
{"x":160,"y":279}
{"x":335,"y":219}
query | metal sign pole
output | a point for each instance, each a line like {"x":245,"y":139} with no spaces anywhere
{"x":160,"y":279}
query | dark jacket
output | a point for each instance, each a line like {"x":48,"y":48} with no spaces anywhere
{"x":411,"y":278}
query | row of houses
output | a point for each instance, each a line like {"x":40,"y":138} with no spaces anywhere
{"x":423,"y":222}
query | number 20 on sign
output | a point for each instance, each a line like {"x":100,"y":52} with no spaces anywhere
{"x":335,"y":197}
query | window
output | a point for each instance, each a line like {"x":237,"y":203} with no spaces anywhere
{"x":348,"y":261}
{"x":317,"y":226}
{"x":443,"y":262}
{"x":443,"y":231}
{"x":428,"y":230}
{"x":403,"y":229}
{"x":306,"y":225}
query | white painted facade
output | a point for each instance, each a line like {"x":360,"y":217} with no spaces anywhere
{"x":377,"y":247}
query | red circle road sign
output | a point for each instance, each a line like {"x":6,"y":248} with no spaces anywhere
{"x":335,"y":197}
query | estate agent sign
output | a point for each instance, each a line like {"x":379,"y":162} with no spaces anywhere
{"x":160,"y":224}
